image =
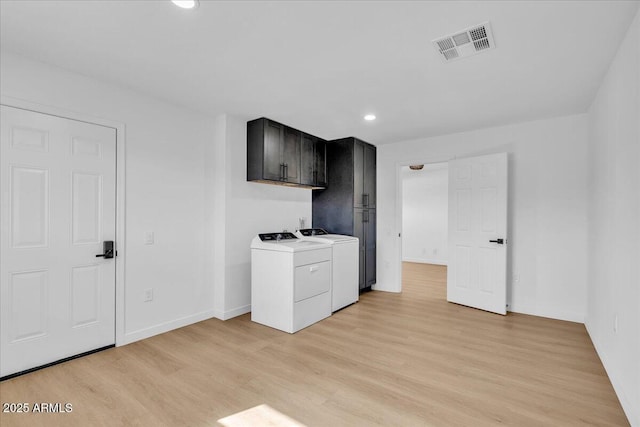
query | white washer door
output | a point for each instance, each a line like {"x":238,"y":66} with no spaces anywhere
{"x":345,"y":288}
{"x":57,"y":181}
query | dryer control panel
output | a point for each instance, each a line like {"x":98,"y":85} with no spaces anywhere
{"x":276,"y":237}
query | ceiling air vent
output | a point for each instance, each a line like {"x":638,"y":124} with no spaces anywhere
{"x":467,"y":42}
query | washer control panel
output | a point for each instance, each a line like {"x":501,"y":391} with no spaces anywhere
{"x":313,"y":232}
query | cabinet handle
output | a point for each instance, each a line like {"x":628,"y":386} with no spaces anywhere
{"x":365,"y":216}
{"x":281,"y":171}
{"x":314,"y":268}
{"x":365,"y":199}
{"x":286,"y":171}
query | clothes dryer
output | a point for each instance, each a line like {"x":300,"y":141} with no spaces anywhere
{"x":290,"y":281}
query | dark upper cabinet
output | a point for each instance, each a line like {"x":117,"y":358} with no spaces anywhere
{"x":291,"y":154}
{"x":307,"y":157}
{"x":272,"y":159}
{"x":320,"y":162}
{"x":347,"y":205}
{"x":280,"y":154}
{"x":314,"y":154}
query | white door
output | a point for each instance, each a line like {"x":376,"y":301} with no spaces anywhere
{"x":477,"y":266}
{"x":57,"y":183}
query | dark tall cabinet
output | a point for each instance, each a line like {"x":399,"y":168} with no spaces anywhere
{"x":348,"y":204}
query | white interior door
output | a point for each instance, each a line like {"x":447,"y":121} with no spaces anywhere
{"x":477,"y":266}
{"x":57,"y":183}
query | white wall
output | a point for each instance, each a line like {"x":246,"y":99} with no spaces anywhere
{"x":614,"y":223}
{"x":249,"y":208}
{"x":165,"y":190}
{"x":424,"y":213}
{"x":215,"y":213}
{"x":547,"y":208}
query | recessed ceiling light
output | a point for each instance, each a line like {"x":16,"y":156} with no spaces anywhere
{"x":370,"y":117}
{"x":186,"y":4}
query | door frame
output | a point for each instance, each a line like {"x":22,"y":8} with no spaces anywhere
{"x":120,"y":192}
{"x":399,"y":165}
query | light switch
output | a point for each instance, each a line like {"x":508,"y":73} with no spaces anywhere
{"x":149,"y":238}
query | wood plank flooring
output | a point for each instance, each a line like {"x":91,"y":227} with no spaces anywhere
{"x":409,"y":359}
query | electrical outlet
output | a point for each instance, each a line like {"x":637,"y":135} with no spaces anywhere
{"x":516,"y":277}
{"x":435,"y":251}
{"x":149,"y":238}
{"x":148,"y":295}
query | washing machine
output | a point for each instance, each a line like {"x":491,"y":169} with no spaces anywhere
{"x":290,"y":281}
{"x":344,"y":286}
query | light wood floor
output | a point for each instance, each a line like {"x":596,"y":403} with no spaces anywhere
{"x":409,"y":359}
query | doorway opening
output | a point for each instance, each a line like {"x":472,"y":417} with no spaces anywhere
{"x":424,"y":229}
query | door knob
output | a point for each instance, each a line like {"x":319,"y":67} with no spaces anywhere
{"x":498,"y":241}
{"x":107,"y":248}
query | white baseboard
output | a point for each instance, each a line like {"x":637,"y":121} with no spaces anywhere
{"x":425,"y":260}
{"x":630,"y":410}
{"x":391,"y":291}
{"x":548,"y":312}
{"x":164,"y":327}
{"x":386,"y":287}
{"x":229,"y":314}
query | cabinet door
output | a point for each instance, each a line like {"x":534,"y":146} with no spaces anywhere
{"x":369,"y":185}
{"x":291,"y":154}
{"x":320,"y":163}
{"x":272,"y":146}
{"x":359,"y":232}
{"x":370,"y":247}
{"x":358,"y":174}
{"x":307,"y":159}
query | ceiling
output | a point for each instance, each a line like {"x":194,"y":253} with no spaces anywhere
{"x":319,"y":66}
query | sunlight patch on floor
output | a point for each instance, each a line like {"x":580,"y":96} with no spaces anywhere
{"x":259,"y":416}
